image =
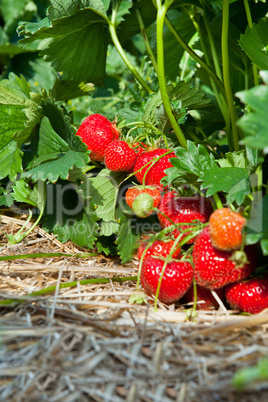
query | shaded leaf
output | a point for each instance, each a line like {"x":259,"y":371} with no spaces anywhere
{"x":80,"y":37}
{"x":255,"y":122}
{"x":233,"y":181}
{"x":103,"y":191}
{"x":127,"y":239}
{"x":257,"y":226}
{"x":69,"y":216}
{"x":54,"y":158}
{"x":191,"y":163}
{"x":255,"y":43}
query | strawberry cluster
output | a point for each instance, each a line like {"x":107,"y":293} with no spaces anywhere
{"x":202,"y":252}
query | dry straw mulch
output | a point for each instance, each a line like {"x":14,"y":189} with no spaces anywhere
{"x":88,"y":343}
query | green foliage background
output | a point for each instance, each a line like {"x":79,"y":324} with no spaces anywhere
{"x":62,"y":60}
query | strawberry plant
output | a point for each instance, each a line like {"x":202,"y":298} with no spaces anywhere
{"x":183,"y":85}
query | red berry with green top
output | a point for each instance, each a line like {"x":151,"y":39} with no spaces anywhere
{"x":250,"y":296}
{"x":119,"y":157}
{"x":158,"y":247}
{"x":157,"y":170}
{"x":183,"y":210}
{"x":215,"y":268}
{"x":226,"y":229}
{"x":96,"y":131}
{"x":177,"y":278}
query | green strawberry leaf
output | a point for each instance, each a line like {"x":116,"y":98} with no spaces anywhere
{"x":233,"y":159}
{"x":257,"y":226}
{"x":247,"y":158}
{"x":18,"y":115}
{"x":103,"y":191}
{"x":255,"y":122}
{"x":255,"y":43}
{"x":105,"y":245}
{"x":59,"y":44}
{"x":108,"y":228}
{"x":63,"y":8}
{"x":127,"y":239}
{"x":5,"y":198}
{"x":54,"y":157}
{"x":190,"y":164}
{"x":183,"y":96}
{"x":69,"y":215}
{"x":21,"y":192}
{"x":233,"y":181}
{"x":12,"y":121}
{"x":122,"y":11}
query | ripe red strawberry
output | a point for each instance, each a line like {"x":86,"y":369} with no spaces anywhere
{"x":139,"y":147}
{"x":96,"y":131}
{"x":250,"y":295}
{"x":132,"y":193}
{"x":183,"y":210}
{"x":176,"y":280}
{"x":204,"y":296}
{"x":226,"y":229}
{"x":215,"y":268}
{"x":119,"y":157}
{"x":158,"y":247}
{"x":156,"y":172}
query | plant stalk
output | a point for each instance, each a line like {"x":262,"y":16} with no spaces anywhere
{"x":123,"y":55}
{"x":249,"y":19}
{"x":161,"y":13}
{"x":233,"y":140}
{"x":146,"y":40}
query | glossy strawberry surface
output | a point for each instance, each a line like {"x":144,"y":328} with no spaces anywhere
{"x":158,"y":247}
{"x":156,"y":171}
{"x":176,"y":280}
{"x":96,"y":131}
{"x":226,"y":229}
{"x":183,"y":210}
{"x":205,"y":299}
{"x":250,"y":296}
{"x":215,"y":268}
{"x":119,"y":157}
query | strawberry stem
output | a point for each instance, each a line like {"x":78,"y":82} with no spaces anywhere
{"x":161,"y":13}
{"x":112,"y":29}
{"x":217,"y":201}
{"x":233,"y":141}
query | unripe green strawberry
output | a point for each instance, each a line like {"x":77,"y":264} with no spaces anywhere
{"x":142,"y":205}
{"x":226,"y":229}
{"x":96,"y":131}
{"x":250,"y":296}
{"x":133,"y":192}
{"x":119,"y":157}
{"x":157,"y":170}
{"x":215,"y":268}
{"x":177,"y":278}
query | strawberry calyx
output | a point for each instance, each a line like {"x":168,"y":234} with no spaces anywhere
{"x":239,"y":257}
